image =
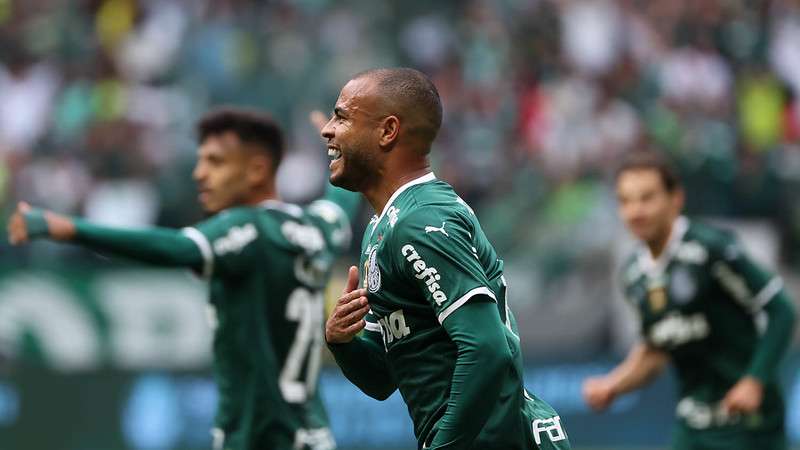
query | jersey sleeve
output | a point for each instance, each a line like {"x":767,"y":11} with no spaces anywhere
{"x":434,"y":253}
{"x":227,"y":241}
{"x":335,"y":211}
{"x":741,"y":277}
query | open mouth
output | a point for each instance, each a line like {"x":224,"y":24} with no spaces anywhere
{"x":334,"y":153}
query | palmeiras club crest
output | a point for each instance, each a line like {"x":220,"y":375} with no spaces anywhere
{"x":373,"y":272}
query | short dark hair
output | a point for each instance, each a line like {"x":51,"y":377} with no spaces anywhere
{"x":414,"y":93}
{"x":250,"y":125}
{"x":650,"y":160}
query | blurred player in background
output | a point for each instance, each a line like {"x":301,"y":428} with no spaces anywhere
{"x":723,"y":321}
{"x":267,"y":262}
{"x":437,"y":323}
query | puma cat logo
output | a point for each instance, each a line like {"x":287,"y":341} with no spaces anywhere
{"x":441,"y":229}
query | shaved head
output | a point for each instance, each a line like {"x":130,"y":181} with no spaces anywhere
{"x":411,"y":96}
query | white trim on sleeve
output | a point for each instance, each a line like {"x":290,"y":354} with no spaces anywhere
{"x":205,"y":249}
{"x":767,"y":293}
{"x":464,"y":298}
{"x":371,"y":326}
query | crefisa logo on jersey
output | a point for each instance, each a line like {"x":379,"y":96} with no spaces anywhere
{"x":373,"y":271}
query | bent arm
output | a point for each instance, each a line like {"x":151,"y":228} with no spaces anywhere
{"x":363,"y":362}
{"x":642,"y":365}
{"x":775,"y":340}
{"x":483,"y":360}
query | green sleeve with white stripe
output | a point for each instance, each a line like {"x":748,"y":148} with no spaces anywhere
{"x":159,"y":246}
{"x":758,"y":291}
{"x":228,"y":241}
{"x":434,"y":253}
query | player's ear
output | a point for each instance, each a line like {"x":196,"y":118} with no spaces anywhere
{"x":678,"y":199}
{"x":259,"y":169}
{"x":390,"y":130}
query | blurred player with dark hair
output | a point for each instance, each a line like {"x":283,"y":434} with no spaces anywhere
{"x":723,"y":321}
{"x":438,"y":327}
{"x":267,"y":262}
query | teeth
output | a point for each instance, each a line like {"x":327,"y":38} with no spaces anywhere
{"x":334,"y":153}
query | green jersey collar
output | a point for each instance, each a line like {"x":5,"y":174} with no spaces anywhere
{"x":423,"y":179}
{"x":657,"y":266}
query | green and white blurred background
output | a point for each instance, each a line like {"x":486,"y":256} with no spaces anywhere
{"x":97,"y":103}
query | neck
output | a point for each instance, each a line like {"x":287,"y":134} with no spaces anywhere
{"x":390,"y":182}
{"x":659,"y":244}
{"x":262,"y":195}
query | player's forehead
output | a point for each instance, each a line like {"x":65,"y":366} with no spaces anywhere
{"x":358,"y":95}
{"x":219,"y":144}
{"x":639,"y":179}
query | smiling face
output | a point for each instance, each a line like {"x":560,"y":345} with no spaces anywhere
{"x":353,"y":135}
{"x":646,"y":206}
{"x":223,"y":173}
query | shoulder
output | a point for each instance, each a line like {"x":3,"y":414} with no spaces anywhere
{"x":717,"y":242}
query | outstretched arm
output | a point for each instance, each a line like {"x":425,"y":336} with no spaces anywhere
{"x":641,"y":366}
{"x":361,"y":358}
{"x":161,"y":246}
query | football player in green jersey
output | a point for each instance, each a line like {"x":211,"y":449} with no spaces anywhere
{"x":267,"y":262}
{"x":432,"y":296}
{"x":723,"y":321}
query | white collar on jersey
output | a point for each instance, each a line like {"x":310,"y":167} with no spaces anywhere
{"x":289,"y":208}
{"x":657,"y":266}
{"x":423,"y":179}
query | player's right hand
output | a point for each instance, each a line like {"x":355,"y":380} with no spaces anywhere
{"x":598,"y":393}
{"x":17,"y":227}
{"x":347,"y":318}
{"x":53,"y":225}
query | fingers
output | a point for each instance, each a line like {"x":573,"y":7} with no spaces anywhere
{"x":352,"y":330}
{"x":356,"y":315}
{"x":17,"y":232}
{"x":352,"y":280}
{"x":350,"y":302}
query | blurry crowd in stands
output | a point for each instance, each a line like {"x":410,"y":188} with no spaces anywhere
{"x":98,"y":100}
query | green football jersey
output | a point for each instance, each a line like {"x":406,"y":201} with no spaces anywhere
{"x":701,"y":301}
{"x":267,"y":267}
{"x":422,"y":258}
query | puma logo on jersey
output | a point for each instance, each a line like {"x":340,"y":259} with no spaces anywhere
{"x":430,"y":229}
{"x":429,"y":274}
{"x":551,"y":426}
{"x":236,"y":239}
{"x":394,"y":326}
{"x":676,"y":329}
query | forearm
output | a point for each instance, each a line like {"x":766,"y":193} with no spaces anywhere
{"x":642,"y":365}
{"x":483,"y":361}
{"x":161,"y":246}
{"x":363,"y":362}
{"x":775,"y":340}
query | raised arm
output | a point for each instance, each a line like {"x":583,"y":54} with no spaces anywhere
{"x":161,"y":246}
{"x":361,"y":358}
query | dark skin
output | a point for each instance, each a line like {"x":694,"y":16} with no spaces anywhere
{"x":228,"y":173}
{"x":380,"y":152}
